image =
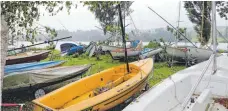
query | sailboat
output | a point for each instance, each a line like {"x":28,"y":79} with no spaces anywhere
{"x":133,"y":51}
{"x":187,"y":53}
{"x":190,"y":53}
{"x":202,"y":87}
{"x":100,"y":91}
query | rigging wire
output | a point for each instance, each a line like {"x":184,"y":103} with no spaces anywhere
{"x":187,"y":99}
{"x":172,"y":27}
{"x":134,"y":24}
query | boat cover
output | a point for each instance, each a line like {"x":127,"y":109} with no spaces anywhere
{"x":70,"y":48}
{"x":45,"y":76}
{"x":135,"y":43}
{"x":30,"y":66}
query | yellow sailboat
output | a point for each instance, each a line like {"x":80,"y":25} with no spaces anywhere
{"x":100,"y":91}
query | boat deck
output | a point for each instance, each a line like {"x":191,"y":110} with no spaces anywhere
{"x":216,"y":104}
{"x":171,"y":92}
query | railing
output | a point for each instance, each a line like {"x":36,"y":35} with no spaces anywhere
{"x":187,"y":99}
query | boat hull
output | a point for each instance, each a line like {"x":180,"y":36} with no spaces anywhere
{"x":189,"y":53}
{"x":70,"y":48}
{"x":108,"y":48}
{"x":27,"y":58}
{"x":112,"y":102}
{"x":171,"y":93}
{"x":11,"y":69}
{"x":104,"y":101}
{"x":150,"y":53}
{"x":119,"y":53}
{"x":41,"y":79}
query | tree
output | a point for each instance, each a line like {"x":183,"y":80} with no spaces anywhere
{"x":199,"y":14}
{"x":17,"y":18}
{"x":107,"y":14}
{"x":175,"y":33}
{"x":21,"y":15}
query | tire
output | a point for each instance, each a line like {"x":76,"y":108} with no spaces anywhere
{"x":39,"y":93}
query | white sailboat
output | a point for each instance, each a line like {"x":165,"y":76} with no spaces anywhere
{"x":187,"y":53}
{"x":202,"y":87}
{"x":181,"y":53}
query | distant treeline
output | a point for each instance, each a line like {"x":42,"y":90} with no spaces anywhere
{"x":144,"y":35}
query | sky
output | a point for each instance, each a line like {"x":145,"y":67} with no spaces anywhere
{"x":144,"y":19}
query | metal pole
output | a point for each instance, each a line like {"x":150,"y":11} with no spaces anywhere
{"x":214,"y":35}
{"x":41,"y":43}
{"x":178,"y":23}
{"x":124,"y":41}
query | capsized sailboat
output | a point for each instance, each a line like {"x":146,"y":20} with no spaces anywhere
{"x":202,"y":87}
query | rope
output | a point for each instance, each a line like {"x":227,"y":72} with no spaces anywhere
{"x":222,"y":36}
{"x":175,"y":90}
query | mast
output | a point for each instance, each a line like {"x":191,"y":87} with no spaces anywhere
{"x":123,"y":35}
{"x":178,"y":23}
{"x":214,"y":34}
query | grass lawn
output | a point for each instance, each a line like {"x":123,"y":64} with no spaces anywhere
{"x":161,"y":69}
{"x":98,"y":65}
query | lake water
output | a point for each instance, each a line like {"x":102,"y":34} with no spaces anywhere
{"x":222,"y":46}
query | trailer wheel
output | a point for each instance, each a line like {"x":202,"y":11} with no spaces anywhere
{"x":39,"y":93}
{"x":147,"y":87}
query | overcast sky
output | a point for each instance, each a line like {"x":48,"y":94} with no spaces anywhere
{"x":82,"y":19}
